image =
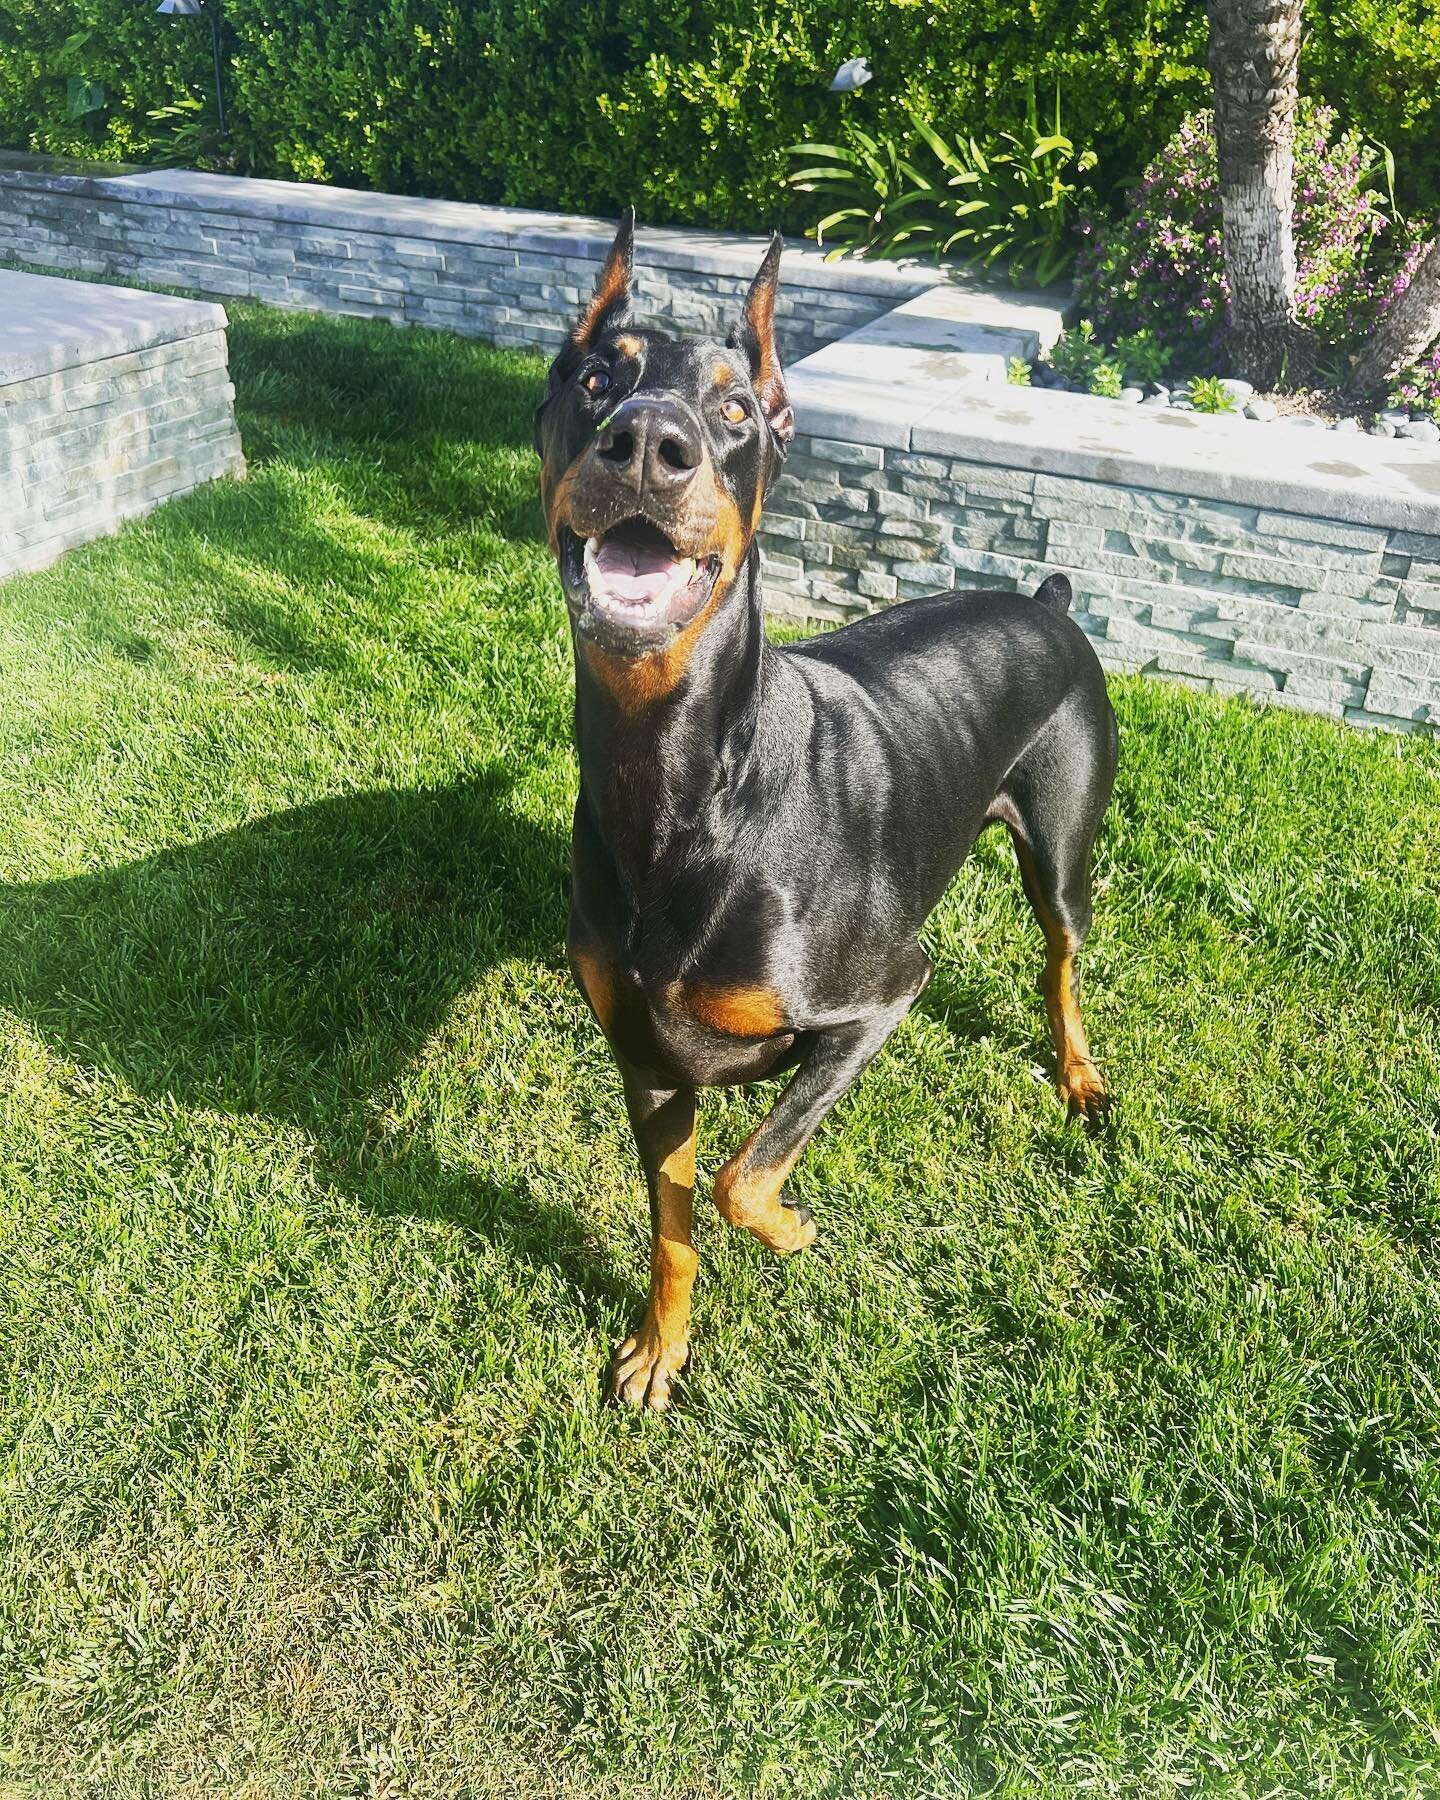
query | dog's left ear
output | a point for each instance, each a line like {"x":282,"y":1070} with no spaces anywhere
{"x":755,"y":335}
{"x":607,"y":307}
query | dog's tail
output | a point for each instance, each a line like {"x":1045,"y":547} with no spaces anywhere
{"x":1056,"y":593}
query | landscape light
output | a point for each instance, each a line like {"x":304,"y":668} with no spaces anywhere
{"x":850,"y":77}
{"x":196,"y":9}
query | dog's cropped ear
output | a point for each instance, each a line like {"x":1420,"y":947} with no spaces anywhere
{"x":755,"y":335}
{"x":607,"y":307}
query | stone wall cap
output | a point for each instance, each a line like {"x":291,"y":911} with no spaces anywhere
{"x":1357,"y":479}
{"x":48,"y":324}
{"x":1352,"y":477}
{"x":504,"y":227}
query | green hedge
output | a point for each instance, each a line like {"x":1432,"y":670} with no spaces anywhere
{"x":683,"y":106}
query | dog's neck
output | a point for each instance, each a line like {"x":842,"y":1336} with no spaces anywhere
{"x":652,"y":764}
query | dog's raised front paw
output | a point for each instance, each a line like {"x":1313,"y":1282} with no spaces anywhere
{"x":806,"y":1230}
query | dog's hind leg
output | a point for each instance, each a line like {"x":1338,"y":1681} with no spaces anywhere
{"x":749,"y":1189}
{"x":647,"y":1364}
{"x":1052,"y":802}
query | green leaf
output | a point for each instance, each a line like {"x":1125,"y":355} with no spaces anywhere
{"x":83,"y":97}
{"x":941,"y":149}
{"x":846,"y":212}
{"x":838,"y":151}
{"x":822,"y":174}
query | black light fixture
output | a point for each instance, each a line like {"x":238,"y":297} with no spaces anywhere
{"x":198,"y":9}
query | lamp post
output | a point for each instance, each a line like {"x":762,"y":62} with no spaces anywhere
{"x":197,"y":9}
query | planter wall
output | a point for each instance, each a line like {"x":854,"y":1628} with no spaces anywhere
{"x":111,"y":401}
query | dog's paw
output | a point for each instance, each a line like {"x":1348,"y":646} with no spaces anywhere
{"x":764,"y":1209}
{"x":803,"y":1223}
{"x":644,"y":1370}
{"x":1083,"y":1091}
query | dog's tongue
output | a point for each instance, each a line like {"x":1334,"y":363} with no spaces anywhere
{"x":635,"y":572}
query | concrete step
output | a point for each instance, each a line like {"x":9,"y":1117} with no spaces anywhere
{"x":953,"y":334}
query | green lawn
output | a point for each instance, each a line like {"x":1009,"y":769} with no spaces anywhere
{"x":1057,"y":1467}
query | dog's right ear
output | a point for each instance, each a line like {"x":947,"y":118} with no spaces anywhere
{"x":607,"y":307}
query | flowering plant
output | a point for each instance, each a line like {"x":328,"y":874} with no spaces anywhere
{"x":1417,"y":388}
{"x":1160,"y":266}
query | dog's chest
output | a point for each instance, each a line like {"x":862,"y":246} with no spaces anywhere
{"x":704,"y":1027}
{"x":717,"y":1031}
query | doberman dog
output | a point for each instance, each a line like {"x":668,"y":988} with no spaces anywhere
{"x":761,"y":832}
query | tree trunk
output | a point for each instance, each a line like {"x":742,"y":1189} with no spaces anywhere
{"x":1405,"y":333}
{"x":1254,"y":59}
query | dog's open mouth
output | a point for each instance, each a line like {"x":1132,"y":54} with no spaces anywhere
{"x":633,"y":578}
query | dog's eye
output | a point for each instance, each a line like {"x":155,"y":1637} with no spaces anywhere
{"x":735,"y":412}
{"x":596,"y":382}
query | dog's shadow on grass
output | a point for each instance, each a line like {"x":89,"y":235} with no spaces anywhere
{"x":291,"y":968}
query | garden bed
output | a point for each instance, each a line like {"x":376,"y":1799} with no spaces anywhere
{"x":1228,"y":396}
{"x":511,"y":276}
{"x":1273,"y":561}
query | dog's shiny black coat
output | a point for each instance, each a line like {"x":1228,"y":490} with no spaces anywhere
{"x":793,"y":816}
{"x":761,"y":832}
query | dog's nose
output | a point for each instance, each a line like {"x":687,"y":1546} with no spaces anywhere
{"x":651,"y":443}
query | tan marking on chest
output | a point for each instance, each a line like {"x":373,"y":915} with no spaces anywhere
{"x":635,"y":682}
{"x":742,"y":1012}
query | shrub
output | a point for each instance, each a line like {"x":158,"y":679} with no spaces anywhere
{"x":1418,"y":387}
{"x":1107,"y":378}
{"x":1144,"y":356}
{"x":589,"y":104}
{"x":1015,"y":203}
{"x":1075,"y":352}
{"x":685,"y":110}
{"x":860,"y":184}
{"x":1078,"y":356}
{"x":1160,"y":265}
{"x":1208,"y":394}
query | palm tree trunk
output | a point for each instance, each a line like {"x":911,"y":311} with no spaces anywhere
{"x":1405,"y":333}
{"x":1254,"y":59}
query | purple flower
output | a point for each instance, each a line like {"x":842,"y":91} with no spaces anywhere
{"x":1164,"y":259}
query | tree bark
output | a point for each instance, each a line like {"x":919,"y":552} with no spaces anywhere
{"x":1405,"y":333}
{"x":1254,"y":59}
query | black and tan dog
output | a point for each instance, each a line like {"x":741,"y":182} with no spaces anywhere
{"x":761,"y":833}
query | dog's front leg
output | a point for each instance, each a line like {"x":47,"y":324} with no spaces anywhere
{"x":663,"y":1119}
{"x":749,"y":1189}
